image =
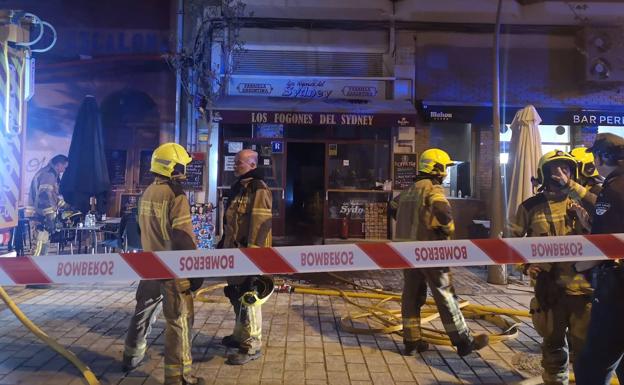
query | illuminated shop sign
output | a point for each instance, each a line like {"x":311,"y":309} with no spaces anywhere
{"x":315,"y":118}
{"x":598,"y":118}
{"x":308,"y":88}
{"x":549,"y":115}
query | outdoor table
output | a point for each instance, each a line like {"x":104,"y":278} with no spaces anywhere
{"x":92,"y":231}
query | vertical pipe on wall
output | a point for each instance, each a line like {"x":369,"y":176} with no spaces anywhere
{"x":497,"y":274}
{"x":179,"y":45}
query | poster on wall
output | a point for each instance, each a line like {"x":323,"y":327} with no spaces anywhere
{"x":404,"y":170}
{"x":128,"y":201}
{"x":195,"y":172}
{"x":116,"y":163}
{"x":145,"y":160}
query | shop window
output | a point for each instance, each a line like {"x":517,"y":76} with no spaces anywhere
{"x":237,"y":131}
{"x":554,"y":137}
{"x":271,"y":164}
{"x":358,"y":166}
{"x":617,"y":130}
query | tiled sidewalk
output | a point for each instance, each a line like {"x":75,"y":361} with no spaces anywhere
{"x":303,"y":341}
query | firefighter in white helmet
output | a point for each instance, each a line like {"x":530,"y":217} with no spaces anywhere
{"x":424,"y":214}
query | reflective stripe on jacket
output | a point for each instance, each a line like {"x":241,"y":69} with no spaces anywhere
{"x":540,"y":216}
{"x":163,"y":207}
{"x":43,"y":195}
{"x":249,"y":215}
{"x":423,"y":213}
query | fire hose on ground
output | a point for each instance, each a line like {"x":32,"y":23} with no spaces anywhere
{"x":88,"y":375}
{"x":390,"y":319}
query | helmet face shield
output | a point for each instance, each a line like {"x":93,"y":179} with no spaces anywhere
{"x":550,"y":161}
{"x":179,"y":171}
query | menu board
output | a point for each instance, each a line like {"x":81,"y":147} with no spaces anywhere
{"x":404,"y":170}
{"x":145,"y":160}
{"x":128,"y":201}
{"x":195,"y":172}
{"x":116,"y":162}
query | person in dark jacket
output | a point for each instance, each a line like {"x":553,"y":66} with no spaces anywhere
{"x":604,"y":348}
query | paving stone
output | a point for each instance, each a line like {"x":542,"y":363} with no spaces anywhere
{"x":357,"y":372}
{"x":315,"y":371}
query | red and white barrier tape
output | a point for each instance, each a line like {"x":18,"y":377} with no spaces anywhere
{"x":128,"y":267}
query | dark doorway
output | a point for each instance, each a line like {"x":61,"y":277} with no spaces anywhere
{"x":305,"y":190}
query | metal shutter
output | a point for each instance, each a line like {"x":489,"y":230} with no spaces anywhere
{"x":308,"y":63}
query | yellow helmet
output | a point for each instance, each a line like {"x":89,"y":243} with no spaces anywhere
{"x":585,"y":161}
{"x":170,"y":157}
{"x":554,"y":156}
{"x":434,"y":162}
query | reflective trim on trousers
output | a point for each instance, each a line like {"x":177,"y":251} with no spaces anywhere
{"x":138,"y":351}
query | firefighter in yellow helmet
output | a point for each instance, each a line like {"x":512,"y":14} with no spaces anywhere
{"x":165,"y":222}
{"x":247,"y":223}
{"x":562,"y":302}
{"x":424,"y":214}
{"x":588,"y":176}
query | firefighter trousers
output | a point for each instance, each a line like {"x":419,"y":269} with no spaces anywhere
{"x":179,"y":314}
{"x":148,"y":306}
{"x":566,"y":328}
{"x":248,"y":326}
{"x":415,"y":295}
{"x":177,"y":305}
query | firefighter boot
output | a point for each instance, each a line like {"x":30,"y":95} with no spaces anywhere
{"x":479,"y":342}
{"x":242,"y":357}
{"x":413,"y":347}
{"x":131,"y":363}
{"x":230,"y":342}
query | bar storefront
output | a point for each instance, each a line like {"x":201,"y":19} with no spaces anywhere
{"x":327,"y":162}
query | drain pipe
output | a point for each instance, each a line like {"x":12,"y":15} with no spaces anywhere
{"x":497,"y":274}
{"x":179,"y":45}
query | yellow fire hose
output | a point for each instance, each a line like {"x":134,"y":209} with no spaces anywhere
{"x":390,"y":319}
{"x":88,"y":375}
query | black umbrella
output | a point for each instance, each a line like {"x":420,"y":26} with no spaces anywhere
{"x":87,"y":174}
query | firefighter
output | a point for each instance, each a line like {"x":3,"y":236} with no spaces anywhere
{"x":165,"y":222}
{"x":424,"y":214}
{"x":247,"y":223}
{"x":588,"y":176}
{"x":561,"y":307}
{"x":44,"y":201}
{"x":604,"y":349}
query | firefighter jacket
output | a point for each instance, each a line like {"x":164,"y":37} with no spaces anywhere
{"x":248,"y":214}
{"x":545,"y":215}
{"x":163,"y":209}
{"x":43,"y":196}
{"x":423,"y":213}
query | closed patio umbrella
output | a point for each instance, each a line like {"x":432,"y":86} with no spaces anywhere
{"x":525,"y":152}
{"x":87,"y":173}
